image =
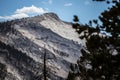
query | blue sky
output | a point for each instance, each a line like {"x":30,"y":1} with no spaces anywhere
{"x":65,"y":9}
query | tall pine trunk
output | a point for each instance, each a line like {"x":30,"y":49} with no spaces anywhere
{"x":45,"y":64}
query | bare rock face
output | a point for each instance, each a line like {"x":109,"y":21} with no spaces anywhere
{"x":23,"y":43}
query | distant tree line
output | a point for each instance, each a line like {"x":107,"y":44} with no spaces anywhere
{"x":17,"y":58}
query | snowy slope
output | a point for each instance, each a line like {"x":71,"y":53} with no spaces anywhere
{"x":33,"y":36}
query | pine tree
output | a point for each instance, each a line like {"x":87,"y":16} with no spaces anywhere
{"x":45,"y":71}
{"x":76,"y":19}
{"x":72,"y":75}
{"x":3,"y":71}
{"x":100,"y":59}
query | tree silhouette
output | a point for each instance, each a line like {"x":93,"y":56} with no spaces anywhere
{"x":3,"y":71}
{"x":44,"y":60}
{"x":100,"y":58}
{"x":76,"y":19}
{"x":45,"y":71}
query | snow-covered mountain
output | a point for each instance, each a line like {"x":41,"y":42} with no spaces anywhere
{"x":23,"y":43}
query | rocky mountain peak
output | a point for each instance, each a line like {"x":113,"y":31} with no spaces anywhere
{"x":46,"y":16}
{"x":24,"y":42}
{"x":51,"y":15}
